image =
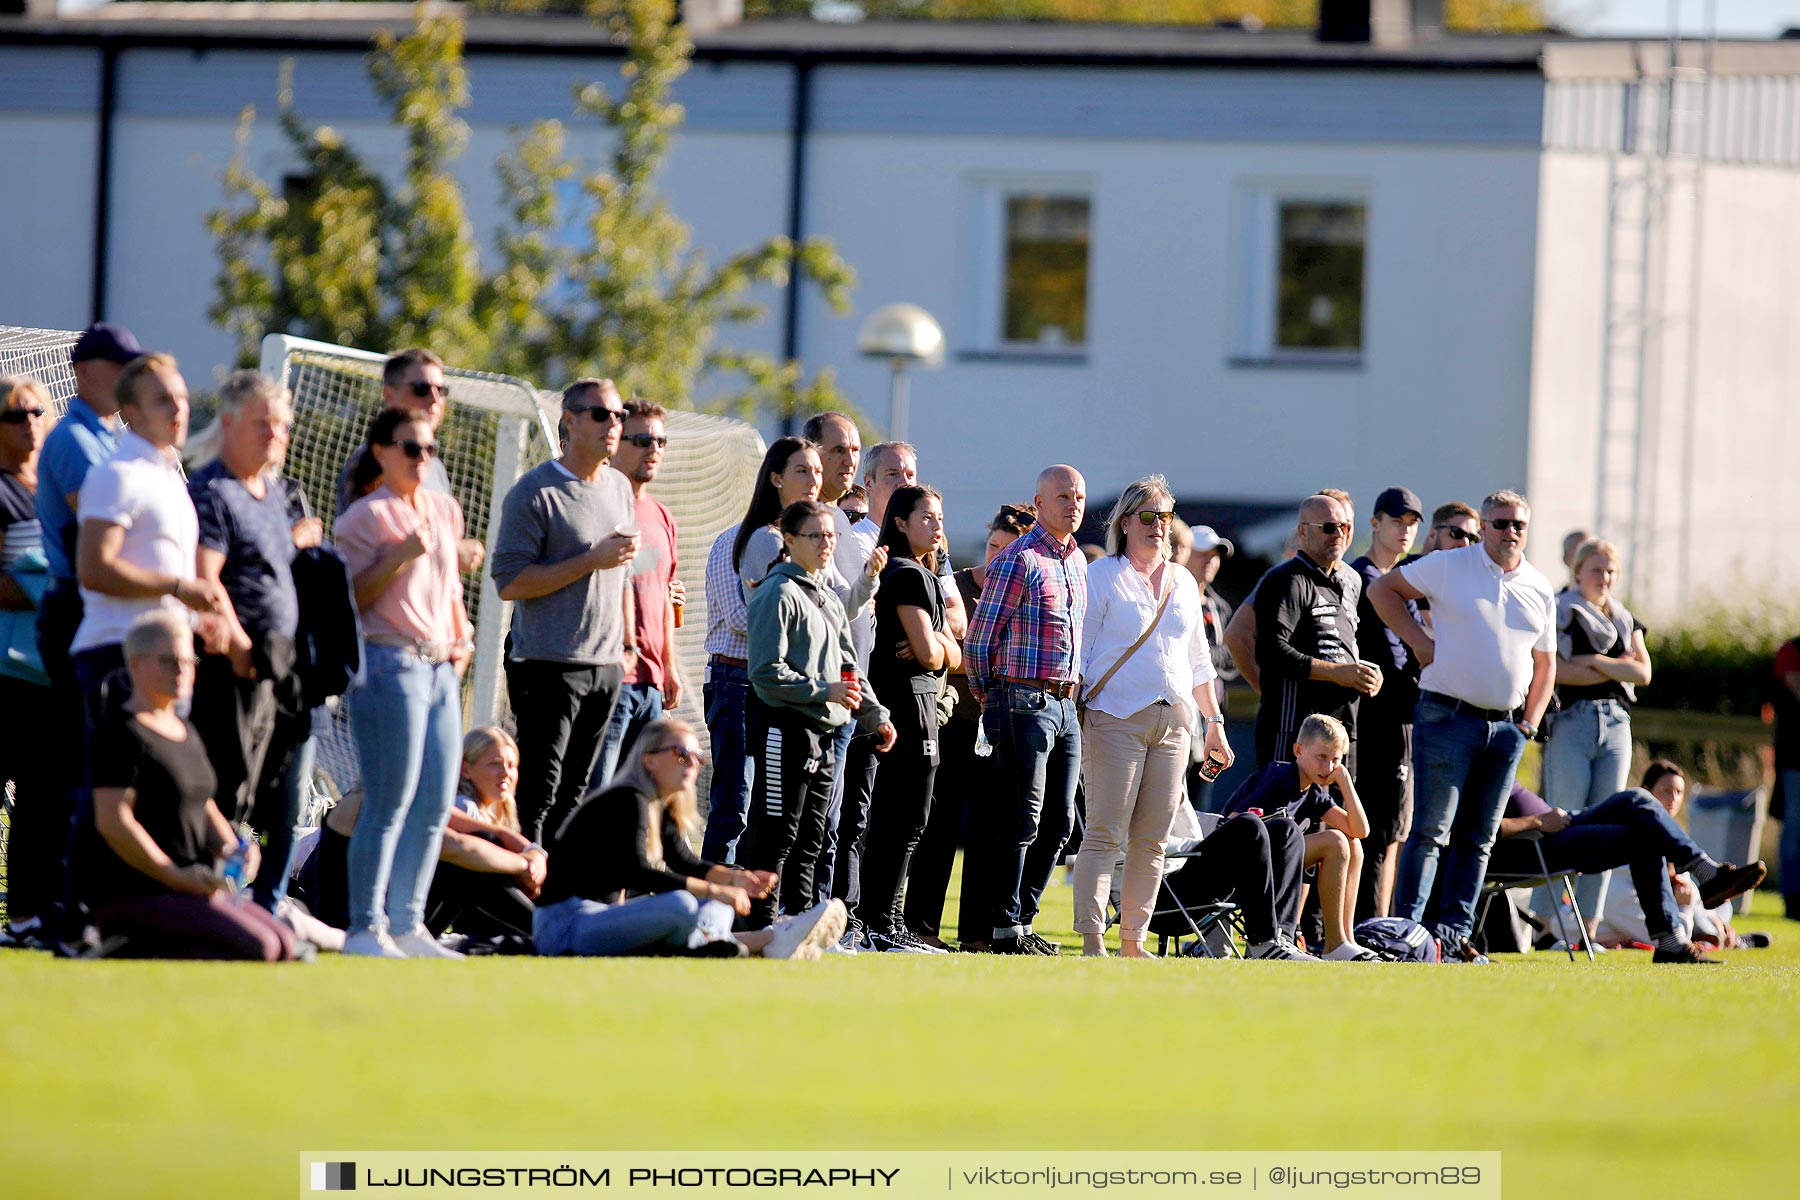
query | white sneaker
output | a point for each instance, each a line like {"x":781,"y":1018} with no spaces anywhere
{"x":309,"y":927}
{"x":805,"y":936}
{"x":1352,"y":952}
{"x":366,"y":943}
{"x":420,"y":944}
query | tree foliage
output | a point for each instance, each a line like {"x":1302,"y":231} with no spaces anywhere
{"x":595,"y":273}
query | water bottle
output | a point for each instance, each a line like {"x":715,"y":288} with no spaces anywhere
{"x":983,"y":747}
{"x":236,"y":871}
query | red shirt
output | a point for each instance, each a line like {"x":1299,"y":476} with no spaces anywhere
{"x":650,"y":591}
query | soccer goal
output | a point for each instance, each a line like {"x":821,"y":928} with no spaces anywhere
{"x":42,"y":354}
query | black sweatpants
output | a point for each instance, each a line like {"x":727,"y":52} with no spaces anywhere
{"x":788,"y":806}
{"x":44,"y":815}
{"x":934,"y":860}
{"x":862,"y":765}
{"x":1254,"y":862}
{"x":562,"y":712}
{"x":236,"y":719}
{"x":1384,"y":785}
{"x":901,"y":809}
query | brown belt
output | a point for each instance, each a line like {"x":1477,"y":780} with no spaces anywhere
{"x":725,"y":660}
{"x":1061,"y":689}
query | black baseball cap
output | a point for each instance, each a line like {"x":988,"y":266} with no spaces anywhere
{"x":104,"y":340}
{"x":1397,"y":501}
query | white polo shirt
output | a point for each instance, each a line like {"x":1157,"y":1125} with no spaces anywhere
{"x":1486,"y":623}
{"x":1172,"y":662}
{"x":141,"y":489}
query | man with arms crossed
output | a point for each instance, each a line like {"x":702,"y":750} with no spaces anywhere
{"x":1486,"y":683}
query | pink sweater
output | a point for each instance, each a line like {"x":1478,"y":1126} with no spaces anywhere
{"x":424,"y":600}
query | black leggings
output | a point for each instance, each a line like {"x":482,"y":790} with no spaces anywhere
{"x":788,"y":806}
{"x":901,"y":809}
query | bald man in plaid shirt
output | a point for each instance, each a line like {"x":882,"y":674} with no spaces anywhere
{"x":1023,"y":657}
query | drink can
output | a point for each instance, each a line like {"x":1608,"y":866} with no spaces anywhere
{"x":678,"y":609}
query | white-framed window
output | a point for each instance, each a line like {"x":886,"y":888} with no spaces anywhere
{"x":1303,"y":272}
{"x":1032,"y":258}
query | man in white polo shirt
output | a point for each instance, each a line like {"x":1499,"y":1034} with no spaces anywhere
{"x":138,"y":533}
{"x":1485,"y":686}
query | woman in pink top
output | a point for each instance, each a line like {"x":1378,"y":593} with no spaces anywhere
{"x":400,"y":544}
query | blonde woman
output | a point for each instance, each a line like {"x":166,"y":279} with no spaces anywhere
{"x":624,"y":880}
{"x":1147,"y":676}
{"x":1601,"y":661}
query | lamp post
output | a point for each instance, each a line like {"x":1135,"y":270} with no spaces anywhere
{"x":905,"y":335}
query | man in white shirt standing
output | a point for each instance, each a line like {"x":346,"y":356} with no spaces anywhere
{"x":1486,"y":683}
{"x":139,"y":533}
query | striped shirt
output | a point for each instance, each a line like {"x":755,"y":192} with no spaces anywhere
{"x":1028,"y":623}
{"x":727,"y":625}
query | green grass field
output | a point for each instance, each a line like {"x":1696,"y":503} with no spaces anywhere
{"x":1619,"y":1079}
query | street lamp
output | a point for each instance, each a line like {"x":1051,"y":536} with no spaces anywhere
{"x":904,"y":334}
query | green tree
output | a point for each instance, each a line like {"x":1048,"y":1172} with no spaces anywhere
{"x":609,"y":284}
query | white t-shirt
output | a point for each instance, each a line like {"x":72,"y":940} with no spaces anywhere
{"x":141,"y":489}
{"x":854,"y":545}
{"x":1173,"y":660}
{"x":1485,"y":622}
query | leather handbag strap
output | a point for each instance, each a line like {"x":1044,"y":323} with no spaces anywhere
{"x":1142,"y":638}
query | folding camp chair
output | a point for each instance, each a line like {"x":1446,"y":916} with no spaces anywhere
{"x":1173,"y":920}
{"x":1499,"y":881}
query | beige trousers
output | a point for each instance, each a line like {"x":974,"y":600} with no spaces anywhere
{"x":1133,"y":768}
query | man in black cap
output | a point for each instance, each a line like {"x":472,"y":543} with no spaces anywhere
{"x":1384,"y":726}
{"x":87,"y":434}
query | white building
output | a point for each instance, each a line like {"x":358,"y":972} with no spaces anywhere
{"x":1258,"y":263}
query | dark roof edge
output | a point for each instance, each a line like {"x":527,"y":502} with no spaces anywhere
{"x":343,"y":37}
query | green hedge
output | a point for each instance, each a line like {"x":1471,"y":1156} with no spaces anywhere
{"x":1719,"y":658}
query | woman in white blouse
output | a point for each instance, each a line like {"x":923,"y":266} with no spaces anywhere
{"x":1142,"y":708}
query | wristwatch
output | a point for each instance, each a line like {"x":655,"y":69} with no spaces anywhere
{"x":1205,"y":720}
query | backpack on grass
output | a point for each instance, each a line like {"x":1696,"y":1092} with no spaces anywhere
{"x":1397,"y":939}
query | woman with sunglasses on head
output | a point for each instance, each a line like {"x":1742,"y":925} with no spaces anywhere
{"x":154,"y":871}
{"x":623,"y":878}
{"x":400,"y":543}
{"x":928,"y":880}
{"x":803,"y":669}
{"x":911,"y":653}
{"x":1147,"y":674}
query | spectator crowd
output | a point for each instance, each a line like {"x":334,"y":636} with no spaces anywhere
{"x":180,"y":634}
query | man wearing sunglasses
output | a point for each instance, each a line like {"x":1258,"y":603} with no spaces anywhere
{"x":1306,"y":635}
{"x":1486,"y":683}
{"x":413,"y":380}
{"x":653,"y":682}
{"x":568,"y":533}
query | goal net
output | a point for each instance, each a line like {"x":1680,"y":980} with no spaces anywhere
{"x":43,"y":354}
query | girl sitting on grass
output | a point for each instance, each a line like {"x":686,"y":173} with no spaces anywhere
{"x":623,"y":880}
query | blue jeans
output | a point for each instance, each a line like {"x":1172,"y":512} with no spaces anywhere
{"x":1586,"y":762}
{"x":1628,"y":829}
{"x":666,"y":922}
{"x":1463,"y":769}
{"x":407,"y":717}
{"x":1790,"y":844}
{"x":726,"y":691}
{"x":638,"y":705}
{"x":1037,"y":740}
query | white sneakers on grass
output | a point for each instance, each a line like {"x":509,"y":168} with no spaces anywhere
{"x":1352,"y":952}
{"x":367,"y":943}
{"x":806,"y":935}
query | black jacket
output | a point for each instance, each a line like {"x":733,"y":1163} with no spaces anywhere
{"x":1303,"y":613}
{"x":328,"y":642}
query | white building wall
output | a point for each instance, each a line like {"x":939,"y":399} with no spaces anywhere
{"x":47,"y":160}
{"x":1436,"y":403}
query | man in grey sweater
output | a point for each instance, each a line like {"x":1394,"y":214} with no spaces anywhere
{"x":567,"y":535}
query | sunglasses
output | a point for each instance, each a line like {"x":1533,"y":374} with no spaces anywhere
{"x":856,"y":514}
{"x":421,"y":388}
{"x":1458,"y":532}
{"x":1506,"y":524}
{"x":18,"y":416}
{"x":1149,"y":517}
{"x":644,"y":441}
{"x":604,"y":415}
{"x":417,"y":450}
{"x":1330,"y":528}
{"x":687,"y":756}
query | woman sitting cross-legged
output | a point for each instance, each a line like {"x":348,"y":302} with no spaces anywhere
{"x":155,"y":882}
{"x":623,"y":880}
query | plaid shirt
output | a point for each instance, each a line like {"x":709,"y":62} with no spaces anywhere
{"x":727,"y":626}
{"x":1028,"y":623}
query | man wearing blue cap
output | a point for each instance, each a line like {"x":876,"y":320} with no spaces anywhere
{"x":1384,"y":725}
{"x":87,"y":434}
